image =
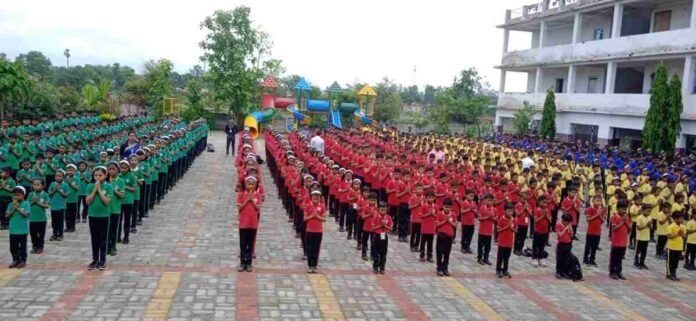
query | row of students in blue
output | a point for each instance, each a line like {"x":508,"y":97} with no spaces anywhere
{"x":112,"y":193}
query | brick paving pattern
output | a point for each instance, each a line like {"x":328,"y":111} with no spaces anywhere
{"x":181,"y":265}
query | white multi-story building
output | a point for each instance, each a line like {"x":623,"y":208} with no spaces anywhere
{"x":599,"y":56}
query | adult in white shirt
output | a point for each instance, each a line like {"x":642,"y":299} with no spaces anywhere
{"x":528,"y":162}
{"x":317,"y":142}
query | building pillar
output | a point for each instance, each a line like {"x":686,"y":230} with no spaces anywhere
{"x":693,"y":14}
{"x":611,"y":78}
{"x":577,"y":27}
{"x":506,"y":32}
{"x":542,"y":33}
{"x":688,"y":78}
{"x":618,"y":20}
{"x":572,"y":71}
{"x":503,"y":74}
{"x":537,"y":82}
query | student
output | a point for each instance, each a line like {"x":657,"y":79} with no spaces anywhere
{"x":84,"y":176}
{"x":468,"y":209}
{"x":382,"y":224}
{"x":73,"y":188}
{"x":571,"y":205}
{"x":344,"y":186}
{"x":314,"y":217}
{"x":362,"y":205}
{"x":487,"y":221}
{"x":367,"y":214}
{"x":58,"y":192}
{"x":564,"y":247}
{"x":690,"y":244}
{"x":596,"y":215}
{"x":415,"y":205}
{"x":446,"y":225}
{"x":127,"y":209}
{"x":352,"y":215}
{"x":634,"y":212}
{"x":25,"y":175}
{"x":621,"y":227}
{"x":99,"y":196}
{"x":39,"y":202}
{"x":523,"y":215}
{"x":428,"y":216}
{"x":18,"y":212}
{"x":7,"y":185}
{"x":507,"y":228}
{"x":404,"y":193}
{"x":675,"y":245}
{"x":643,"y":227}
{"x":663,"y":221}
{"x":249,"y":204}
{"x":119,"y":192}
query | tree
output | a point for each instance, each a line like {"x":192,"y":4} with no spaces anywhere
{"x":96,"y":97}
{"x":230,"y":49}
{"x":273,"y":67}
{"x":36,"y":64}
{"x":388,"y":103}
{"x":523,"y":119}
{"x":157,"y":83}
{"x":14,"y":85}
{"x":3,"y":56}
{"x":655,"y":129}
{"x":429,"y":95}
{"x":673,"y":123}
{"x":548,"y":117}
{"x":68,"y":99}
{"x":194,"y":96}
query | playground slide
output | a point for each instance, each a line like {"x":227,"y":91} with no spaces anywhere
{"x":318,"y":105}
{"x":255,"y":118}
{"x":296,"y":113}
{"x":364,"y":119}
{"x":336,"y":119}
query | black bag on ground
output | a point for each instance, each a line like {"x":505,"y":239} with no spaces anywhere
{"x":574,"y":268}
{"x":210,"y":148}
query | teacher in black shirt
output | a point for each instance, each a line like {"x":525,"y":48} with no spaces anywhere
{"x":231,"y":131}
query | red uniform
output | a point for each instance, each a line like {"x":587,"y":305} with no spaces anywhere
{"x":572,"y":205}
{"x":619,"y":237}
{"x":248,"y":214}
{"x":315,"y":224}
{"x":447,"y":223}
{"x":564,"y":235}
{"x":487,"y":217}
{"x":428,"y":216}
{"x":594,"y":227}
{"x":506,"y":238}
{"x":542,"y":220}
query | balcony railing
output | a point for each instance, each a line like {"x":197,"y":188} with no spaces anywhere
{"x":537,"y":8}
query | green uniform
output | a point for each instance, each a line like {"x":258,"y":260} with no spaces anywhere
{"x":98,"y":208}
{"x":19,"y":225}
{"x":38,"y":212}
{"x":58,"y":201}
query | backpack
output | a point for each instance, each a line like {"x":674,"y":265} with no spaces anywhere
{"x":210,"y":148}
{"x":574,"y":268}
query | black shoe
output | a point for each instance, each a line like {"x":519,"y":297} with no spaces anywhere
{"x":375,"y":271}
{"x":599,"y":248}
{"x":13,"y":265}
{"x":101,"y":266}
{"x":481,"y":262}
{"x":637,"y":266}
{"x":620,"y":276}
{"x":33,"y":251}
{"x":125,"y":242}
{"x":440,"y":273}
{"x":672,"y":278}
{"x":499,"y":274}
{"x":349,"y":237}
{"x":241,"y":268}
{"x":446,"y":273}
{"x":365,"y":258}
{"x":146,"y":215}
{"x":560,"y":276}
{"x":430,"y":259}
{"x":487,"y":262}
{"x":462,"y":250}
{"x":613,"y":276}
{"x":138,"y":223}
{"x":593,"y":263}
{"x":507,"y":275}
{"x":645,"y":267}
{"x":341,"y":229}
{"x":20,"y":265}
{"x":134,"y":230}
{"x":92,"y":266}
{"x":249,"y":268}
{"x":381,"y":271}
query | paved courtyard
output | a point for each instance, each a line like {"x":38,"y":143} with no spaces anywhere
{"x":181,"y":265}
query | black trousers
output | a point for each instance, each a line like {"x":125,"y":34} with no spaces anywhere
{"x":394,"y":213}
{"x":82,"y":201}
{"x":380,"y":247}
{"x":426,"y":246}
{"x":501,"y":263}
{"x":415,"y":235}
{"x":467,"y":236}
{"x":616,"y":257}
{"x":591,"y":245}
{"x":673,"y":258}
{"x":152,"y":194}
{"x":641,"y":252}
{"x":230,"y":142}
{"x":538,"y":245}
{"x":351,"y":220}
{"x":37,"y":230}
{"x":313,"y":244}
{"x":18,"y":247}
{"x":632,"y":237}
{"x":70,"y":215}
{"x":443,"y":249}
{"x":4,"y":201}
{"x":358,"y":230}
{"x":162,"y":186}
{"x":113,"y":231}
{"x":653,"y":229}
{"x":135,"y":213}
{"x":660,"y":246}
{"x":342,"y":212}
{"x":246,"y":245}
{"x":365,"y":237}
{"x":404,"y":220}
{"x":484,"y":247}
{"x":98,"y":230}
{"x":126,"y":217}
{"x":57,"y":222}
{"x":690,"y":254}
{"x":563,"y":252}
{"x":520,"y":237}
{"x":142,"y":202}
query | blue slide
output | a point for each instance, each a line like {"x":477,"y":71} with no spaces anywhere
{"x":336,"y":118}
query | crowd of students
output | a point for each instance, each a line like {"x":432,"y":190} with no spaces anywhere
{"x":423,"y":188}
{"x":81,"y":169}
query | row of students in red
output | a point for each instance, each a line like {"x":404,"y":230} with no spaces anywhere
{"x":250,"y":197}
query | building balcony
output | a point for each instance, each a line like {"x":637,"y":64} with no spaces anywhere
{"x":674,"y":42}
{"x":614,"y":104}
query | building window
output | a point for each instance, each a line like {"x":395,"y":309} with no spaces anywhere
{"x":585,"y":133}
{"x":559,"y":85}
{"x":592,"y":85}
{"x":598,"y":34}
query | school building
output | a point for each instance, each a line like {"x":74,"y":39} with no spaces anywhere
{"x":599,"y":57}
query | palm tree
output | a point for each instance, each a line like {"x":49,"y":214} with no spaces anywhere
{"x":66,"y":53}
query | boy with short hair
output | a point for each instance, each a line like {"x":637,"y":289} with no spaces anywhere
{"x":382,"y":224}
{"x":643,"y":226}
{"x":38,"y":201}
{"x":428,"y":216}
{"x":690,"y":244}
{"x":675,"y":245}
{"x":596,"y":215}
{"x":564,"y":247}
{"x":18,"y":213}
{"x":542,"y":222}
{"x":487,"y":219}
{"x":663,"y":220}
{"x":446,"y":225}
{"x":571,"y":205}
{"x":507,"y":227}
{"x":620,"y":226}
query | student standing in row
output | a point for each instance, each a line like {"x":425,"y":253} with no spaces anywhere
{"x":675,"y":245}
{"x":18,"y":214}
{"x":314,"y":217}
{"x":620,"y":227}
{"x":248,"y":205}
{"x":690,"y":244}
{"x":507,"y":228}
{"x":73,"y":188}
{"x":39,"y":202}
{"x":382,"y":224}
{"x":446,"y":230}
{"x":643,"y":227}
{"x":596,"y":215}
{"x":99,"y":196}
{"x":58,"y":192}
{"x":119,"y":192}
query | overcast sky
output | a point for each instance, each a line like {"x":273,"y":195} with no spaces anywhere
{"x":347,"y":41}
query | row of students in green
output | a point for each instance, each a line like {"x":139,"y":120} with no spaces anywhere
{"x":116,"y":190}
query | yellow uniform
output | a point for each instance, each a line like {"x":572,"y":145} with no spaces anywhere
{"x":676,"y":243}
{"x":691,"y":227}
{"x":652,"y":200}
{"x":634,"y":211}
{"x":676,"y":207}
{"x":662,"y":228}
{"x":644,"y":234}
